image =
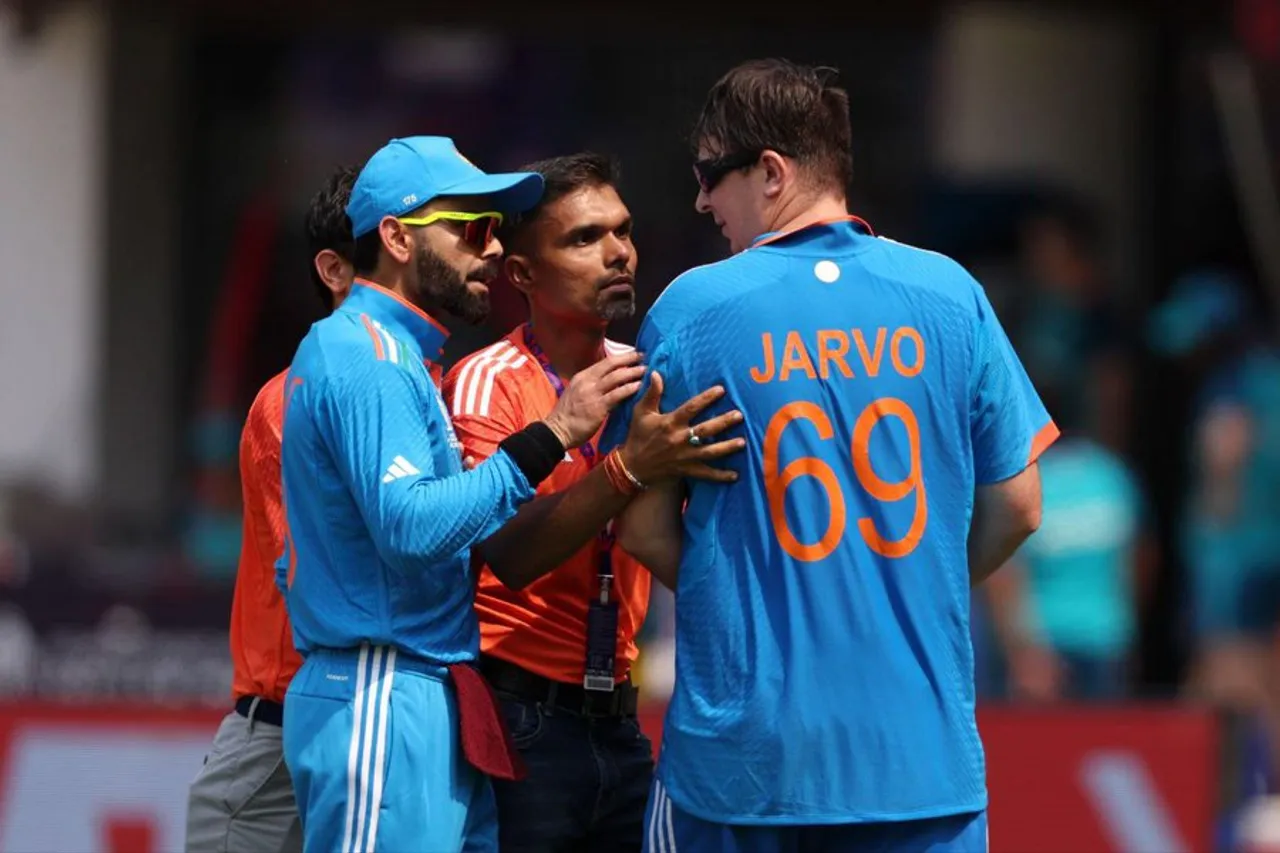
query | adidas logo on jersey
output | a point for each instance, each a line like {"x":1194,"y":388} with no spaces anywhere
{"x":400,"y":467}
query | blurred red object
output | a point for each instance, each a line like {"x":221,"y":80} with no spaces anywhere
{"x":1258,"y":28}
{"x":102,"y":777}
{"x":130,"y":834}
{"x":1068,"y":779}
{"x":1102,"y":778}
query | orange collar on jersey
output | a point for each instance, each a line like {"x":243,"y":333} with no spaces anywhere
{"x":388,"y":307}
{"x":774,"y":236}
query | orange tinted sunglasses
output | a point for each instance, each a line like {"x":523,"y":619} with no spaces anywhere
{"x":478,"y":228}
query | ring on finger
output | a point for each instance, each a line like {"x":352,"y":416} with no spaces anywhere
{"x":694,"y":438}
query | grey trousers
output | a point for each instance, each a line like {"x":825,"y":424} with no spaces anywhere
{"x":242,"y":800}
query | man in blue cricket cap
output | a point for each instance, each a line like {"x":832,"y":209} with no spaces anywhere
{"x":388,"y":730}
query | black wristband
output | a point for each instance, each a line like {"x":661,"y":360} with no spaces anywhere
{"x":535,"y":450}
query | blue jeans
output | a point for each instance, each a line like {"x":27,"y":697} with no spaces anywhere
{"x":587,"y":786}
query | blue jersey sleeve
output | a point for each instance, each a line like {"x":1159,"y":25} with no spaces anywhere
{"x":1008,"y":425}
{"x":658,"y":355}
{"x":377,"y":425}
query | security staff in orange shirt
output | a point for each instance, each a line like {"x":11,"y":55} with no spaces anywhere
{"x":242,"y":799}
{"x":558,"y":646}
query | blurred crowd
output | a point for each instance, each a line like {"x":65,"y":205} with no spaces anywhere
{"x":1064,"y":621}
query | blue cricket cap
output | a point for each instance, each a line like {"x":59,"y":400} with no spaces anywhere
{"x":407,"y":173}
{"x":1201,"y":305}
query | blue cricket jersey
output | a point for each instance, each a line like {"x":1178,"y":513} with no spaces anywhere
{"x":381,"y":516}
{"x":824,"y":672}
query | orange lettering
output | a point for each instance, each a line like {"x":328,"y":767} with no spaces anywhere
{"x":765,"y":375}
{"x":895,"y":351}
{"x":836,"y":353}
{"x":871,"y":364}
{"x":777,"y":479}
{"x":776,"y":483}
{"x":795,"y":357}
{"x":889,"y":492}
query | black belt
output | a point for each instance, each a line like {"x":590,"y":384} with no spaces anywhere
{"x":260,"y":710}
{"x":517,"y":681}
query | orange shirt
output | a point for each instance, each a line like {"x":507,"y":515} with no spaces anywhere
{"x":262,"y":652}
{"x":543,"y":627}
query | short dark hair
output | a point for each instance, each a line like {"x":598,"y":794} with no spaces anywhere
{"x":327,"y":226}
{"x":562,"y":176}
{"x":366,"y":253}
{"x":775,"y":104}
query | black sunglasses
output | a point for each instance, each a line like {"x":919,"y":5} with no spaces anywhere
{"x":711,"y":171}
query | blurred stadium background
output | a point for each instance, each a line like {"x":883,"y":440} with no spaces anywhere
{"x":1085,"y":159}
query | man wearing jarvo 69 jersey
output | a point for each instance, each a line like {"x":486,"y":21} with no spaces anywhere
{"x":824,"y":695}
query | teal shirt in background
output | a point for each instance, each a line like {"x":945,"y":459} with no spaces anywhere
{"x":1079,"y":563}
{"x":1249,"y":541}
